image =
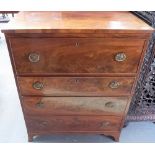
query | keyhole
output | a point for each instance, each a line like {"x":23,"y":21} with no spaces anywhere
{"x":77,"y":81}
{"x":76,"y":44}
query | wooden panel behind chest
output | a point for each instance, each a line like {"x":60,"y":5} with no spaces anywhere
{"x":76,"y":55}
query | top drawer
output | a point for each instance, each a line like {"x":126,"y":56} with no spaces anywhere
{"x":76,"y":55}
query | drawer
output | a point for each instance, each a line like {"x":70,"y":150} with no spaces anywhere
{"x":73,"y":123}
{"x":75,"y":86}
{"x":61,"y":56}
{"x":74,"y":105}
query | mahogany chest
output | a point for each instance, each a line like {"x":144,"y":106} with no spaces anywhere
{"x":76,"y":71}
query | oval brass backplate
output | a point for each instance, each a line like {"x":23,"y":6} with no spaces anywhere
{"x":34,"y":57}
{"x":38,"y":85}
{"x":120,"y":57}
{"x":40,"y":105}
{"x":114,"y":84}
{"x":109,"y":104}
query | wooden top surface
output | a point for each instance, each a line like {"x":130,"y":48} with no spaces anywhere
{"x":76,"y":22}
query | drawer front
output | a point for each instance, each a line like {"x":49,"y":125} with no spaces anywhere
{"x":76,"y":55}
{"x":75,"y":86}
{"x":73,"y":123}
{"x":74,"y":105}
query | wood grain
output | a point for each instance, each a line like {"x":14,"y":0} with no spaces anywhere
{"x":73,"y":123}
{"x":48,"y":106}
{"x":76,"y":62}
{"x":77,"y":22}
{"x":76,"y":55}
{"x":76,"y":86}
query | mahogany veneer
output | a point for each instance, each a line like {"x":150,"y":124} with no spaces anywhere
{"x":74,"y":105}
{"x":76,"y":71}
{"x":76,"y":86}
{"x":76,"y":55}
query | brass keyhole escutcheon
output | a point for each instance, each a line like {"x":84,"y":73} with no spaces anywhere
{"x":77,"y":44}
{"x":77,"y":81}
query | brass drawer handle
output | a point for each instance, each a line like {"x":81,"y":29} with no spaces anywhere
{"x":120,"y":57}
{"x":109,"y":104}
{"x":34,"y":57}
{"x":114,"y":84}
{"x":105,"y":124}
{"x":38,"y":85}
{"x":40,"y":105}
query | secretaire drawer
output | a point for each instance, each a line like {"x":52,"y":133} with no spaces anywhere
{"x":76,"y":86}
{"x":73,"y":123}
{"x":74,"y":105}
{"x":76,"y":55}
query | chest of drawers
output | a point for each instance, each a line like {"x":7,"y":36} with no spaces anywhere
{"x":76,"y":71}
